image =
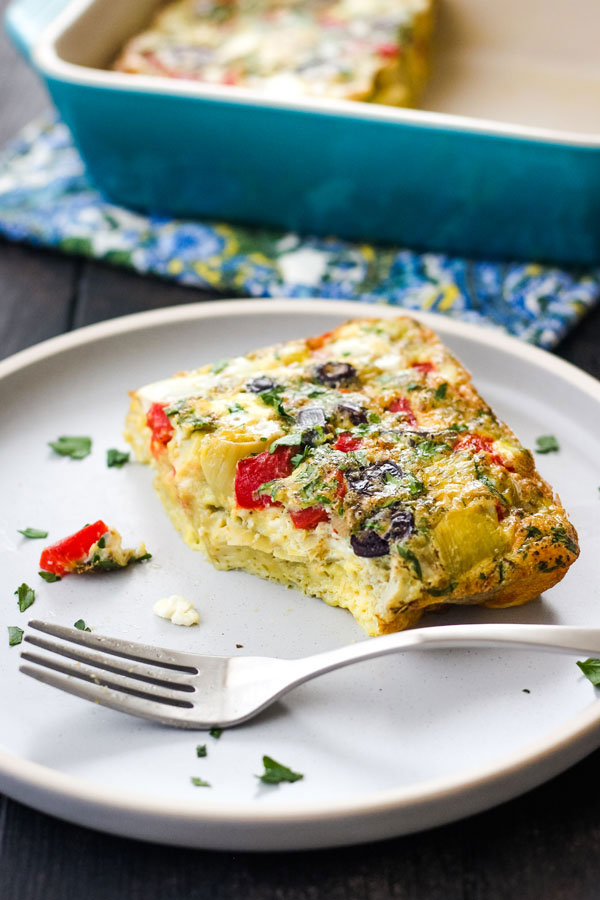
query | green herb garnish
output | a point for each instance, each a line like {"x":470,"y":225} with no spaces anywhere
{"x":300,"y":457}
{"x":50,"y":577}
{"x":15,"y":635}
{"x":413,"y":386}
{"x":32,"y":533}
{"x":441,"y":592}
{"x":481,"y":476}
{"x":235,"y":408}
{"x":294,"y":439}
{"x":219,"y":366}
{"x":201,"y":750}
{"x":216,"y":732}
{"x":74,"y":447}
{"x":547,"y":443}
{"x":410,"y":557}
{"x":25,"y":596}
{"x":199,"y":782}
{"x":560,"y":536}
{"x":533,"y":531}
{"x":275,"y":773}
{"x":80,"y":624}
{"x":427,"y":449}
{"x":591,"y":670}
{"x":441,"y":390}
{"x":415,"y":487}
{"x":458,"y":428}
{"x":374,"y":418}
{"x":116,"y":459}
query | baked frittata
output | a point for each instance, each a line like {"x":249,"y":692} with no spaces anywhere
{"x":360,"y":466}
{"x":370,"y":50}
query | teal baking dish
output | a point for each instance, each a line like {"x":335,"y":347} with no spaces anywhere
{"x":502,"y":161}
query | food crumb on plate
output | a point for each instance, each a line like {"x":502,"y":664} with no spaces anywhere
{"x":177,"y":609}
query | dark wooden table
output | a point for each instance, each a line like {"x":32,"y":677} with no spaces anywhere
{"x":543,"y":845}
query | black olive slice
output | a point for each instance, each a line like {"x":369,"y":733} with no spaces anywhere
{"x":260,"y":384}
{"x":355,"y":414}
{"x":401,"y":524}
{"x":368,"y":544}
{"x":371,"y":479}
{"x":335,"y":374}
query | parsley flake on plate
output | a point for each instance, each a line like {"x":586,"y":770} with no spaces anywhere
{"x":591,"y":670}
{"x":546,"y":443}
{"x":275,"y":772}
{"x":50,"y":577}
{"x":25,"y":596}
{"x":32,"y":533}
{"x":15,"y":635}
{"x":201,"y":750}
{"x":216,"y":732}
{"x":116,"y":459}
{"x":199,"y":782}
{"x":80,"y":624}
{"x":73,"y":447}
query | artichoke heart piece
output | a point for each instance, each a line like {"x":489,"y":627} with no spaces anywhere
{"x":468,"y":536}
{"x":219,"y":455}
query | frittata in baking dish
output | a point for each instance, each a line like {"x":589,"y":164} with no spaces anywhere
{"x":370,"y":50}
{"x":360,"y":466}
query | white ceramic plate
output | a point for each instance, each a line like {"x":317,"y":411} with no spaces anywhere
{"x":387,"y":747}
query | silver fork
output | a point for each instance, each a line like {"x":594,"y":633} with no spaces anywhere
{"x":191,"y":691}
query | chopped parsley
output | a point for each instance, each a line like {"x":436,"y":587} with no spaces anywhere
{"x":272,"y":398}
{"x":560,"y":536}
{"x":415,"y":487}
{"x":458,"y":428}
{"x":235,"y":408}
{"x":591,"y":670}
{"x":25,"y":596}
{"x":201,"y":750}
{"x":300,"y":457}
{"x":116,"y":459}
{"x":80,"y":624}
{"x":275,"y":772}
{"x":294,"y":439}
{"x":485,"y":479}
{"x":199,"y":782}
{"x":410,"y":557}
{"x":546,"y":443}
{"x":427,"y":449}
{"x":374,"y":418}
{"x":413,"y":386}
{"x":216,"y":732}
{"x":73,"y":447}
{"x":441,"y":592}
{"x":15,"y":635}
{"x":533,"y":531}
{"x":32,"y":533}
{"x":441,"y":391}
{"x":50,"y":577}
{"x":219,"y":366}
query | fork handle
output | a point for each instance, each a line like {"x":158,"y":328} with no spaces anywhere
{"x":564,"y":638}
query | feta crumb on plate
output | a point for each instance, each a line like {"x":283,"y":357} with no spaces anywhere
{"x":177,"y":609}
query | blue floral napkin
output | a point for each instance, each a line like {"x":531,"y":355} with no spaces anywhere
{"x":45,"y":198}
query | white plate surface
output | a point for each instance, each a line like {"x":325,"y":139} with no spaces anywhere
{"x":386,"y":747}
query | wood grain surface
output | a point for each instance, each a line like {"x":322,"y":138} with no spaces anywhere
{"x":543,"y":845}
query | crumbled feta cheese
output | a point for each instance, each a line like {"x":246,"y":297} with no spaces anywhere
{"x":179,"y":610}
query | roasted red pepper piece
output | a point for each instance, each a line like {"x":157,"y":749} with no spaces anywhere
{"x":342,"y":489}
{"x":160,"y":426}
{"x":423,"y":367}
{"x":401,"y":405}
{"x":479,"y":443}
{"x":253,"y":471}
{"x":308,"y":518}
{"x":347,"y":442}
{"x":58,"y":557}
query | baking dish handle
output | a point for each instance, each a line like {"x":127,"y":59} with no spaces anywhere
{"x":25,"y":20}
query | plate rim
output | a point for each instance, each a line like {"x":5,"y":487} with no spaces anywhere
{"x":467,"y":792}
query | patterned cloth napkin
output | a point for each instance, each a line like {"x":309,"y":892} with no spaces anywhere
{"x":45,"y":198}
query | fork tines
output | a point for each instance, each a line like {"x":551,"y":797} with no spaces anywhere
{"x":135,"y":678}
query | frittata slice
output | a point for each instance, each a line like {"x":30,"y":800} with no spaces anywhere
{"x":371,"y":50}
{"x":360,"y":466}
